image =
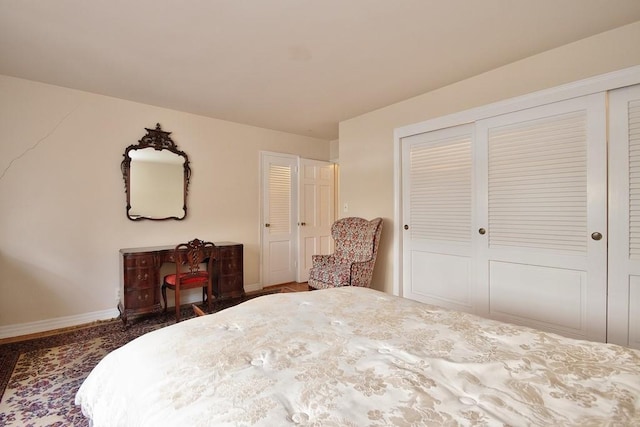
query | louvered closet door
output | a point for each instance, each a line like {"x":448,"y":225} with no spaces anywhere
{"x":544,"y":194}
{"x":624,"y":217}
{"x":438,"y":207}
{"x":279,"y":222}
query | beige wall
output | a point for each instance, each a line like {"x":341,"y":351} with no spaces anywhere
{"x":62,"y":200}
{"x":366,"y":149}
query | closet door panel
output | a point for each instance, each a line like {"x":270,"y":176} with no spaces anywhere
{"x":624,"y":220}
{"x":438,"y":209}
{"x":442,"y":278}
{"x":545,"y":194}
{"x":545,"y":296}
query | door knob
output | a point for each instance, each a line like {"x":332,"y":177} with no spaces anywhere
{"x":482,"y":231}
{"x":267,"y":225}
{"x":596,"y":236}
{"x":406,"y":227}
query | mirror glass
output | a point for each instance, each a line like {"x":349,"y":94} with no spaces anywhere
{"x":156,"y":176}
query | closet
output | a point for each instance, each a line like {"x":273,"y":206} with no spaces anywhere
{"x":530,"y":216}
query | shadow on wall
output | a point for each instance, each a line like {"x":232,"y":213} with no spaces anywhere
{"x":384,"y":250}
{"x":35,"y":284}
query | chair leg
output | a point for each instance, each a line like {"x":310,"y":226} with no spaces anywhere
{"x":197,"y":310}
{"x":209,"y":298}
{"x":177,"y":293}
{"x":164,"y":296}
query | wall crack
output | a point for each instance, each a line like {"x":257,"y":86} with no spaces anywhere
{"x":38,"y":142}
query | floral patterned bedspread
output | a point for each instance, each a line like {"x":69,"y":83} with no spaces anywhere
{"x":359,"y":357}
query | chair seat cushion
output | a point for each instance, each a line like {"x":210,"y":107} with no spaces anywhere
{"x":188,"y":279}
{"x":334,"y":275}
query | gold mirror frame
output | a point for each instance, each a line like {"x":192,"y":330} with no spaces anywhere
{"x":158,"y":140}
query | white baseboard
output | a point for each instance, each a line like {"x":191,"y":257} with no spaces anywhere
{"x":10,"y":331}
{"x":253,"y":287}
{"x":20,"y":329}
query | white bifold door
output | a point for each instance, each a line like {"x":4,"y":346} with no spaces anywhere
{"x":506,"y":217}
{"x":316,"y":212}
{"x":438,"y":205}
{"x":279,"y":198}
{"x":624,"y":243}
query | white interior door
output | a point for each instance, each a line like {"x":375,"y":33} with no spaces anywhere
{"x":438,"y":200}
{"x":624,"y":217}
{"x":543,"y":257}
{"x":316,"y":212}
{"x":279,"y":192}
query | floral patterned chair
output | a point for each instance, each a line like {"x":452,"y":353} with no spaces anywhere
{"x":351,"y":264}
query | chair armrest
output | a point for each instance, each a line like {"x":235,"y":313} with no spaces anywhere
{"x":322,"y":260}
{"x":362,"y":273}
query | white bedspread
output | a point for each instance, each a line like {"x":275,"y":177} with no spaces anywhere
{"x":359,"y":357}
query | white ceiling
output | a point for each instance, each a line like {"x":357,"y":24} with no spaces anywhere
{"x":299,"y":66}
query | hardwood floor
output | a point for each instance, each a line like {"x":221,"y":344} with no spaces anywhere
{"x":289,"y":287}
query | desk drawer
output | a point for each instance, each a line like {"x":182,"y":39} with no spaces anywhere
{"x":138,"y":261}
{"x":230,"y":260}
{"x":140,"y":277}
{"x":140,"y":298}
{"x":230,"y":266}
{"x":230,"y":285}
{"x":229,"y":252}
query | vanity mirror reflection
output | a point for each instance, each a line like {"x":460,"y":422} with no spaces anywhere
{"x":156,"y":178}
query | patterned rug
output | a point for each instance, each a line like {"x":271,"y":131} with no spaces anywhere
{"x":39,"y":378}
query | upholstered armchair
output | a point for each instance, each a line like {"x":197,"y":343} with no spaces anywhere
{"x":351,"y":264}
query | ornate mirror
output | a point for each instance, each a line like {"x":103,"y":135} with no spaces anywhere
{"x":156,"y":178}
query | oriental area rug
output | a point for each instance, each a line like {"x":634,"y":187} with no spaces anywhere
{"x":40,"y":377}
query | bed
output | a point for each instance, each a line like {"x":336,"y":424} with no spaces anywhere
{"x":359,"y":357}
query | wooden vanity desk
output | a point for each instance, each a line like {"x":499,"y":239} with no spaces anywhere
{"x":141,"y":278}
